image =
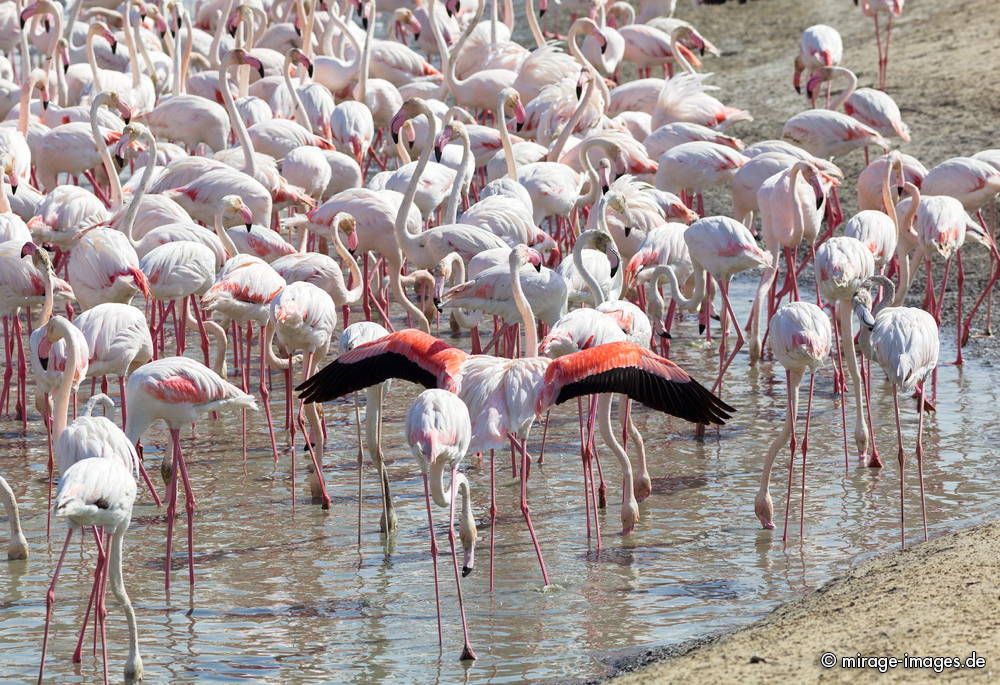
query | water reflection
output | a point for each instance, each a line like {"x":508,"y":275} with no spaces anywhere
{"x":282,"y":595}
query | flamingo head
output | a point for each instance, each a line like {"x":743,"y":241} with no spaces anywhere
{"x":453,"y":7}
{"x":511,"y":98}
{"x":816,"y":79}
{"x":241,"y":56}
{"x":405,"y":23}
{"x":62,"y":46}
{"x":235,"y":206}
{"x":34,"y":9}
{"x":7,"y":168}
{"x":131,"y":135}
{"x":862,"y":305}
{"x":347,"y":224}
{"x":527,"y":255}
{"x":101,"y":29}
{"x":298,"y":57}
{"x":763,"y":506}
{"x":600,"y":240}
{"x":116,"y":101}
{"x":411,"y":108}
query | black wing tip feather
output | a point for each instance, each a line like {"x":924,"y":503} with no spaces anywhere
{"x":337,"y":379}
{"x":688,"y":400}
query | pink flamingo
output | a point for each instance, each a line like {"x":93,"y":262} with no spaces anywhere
{"x":892,"y":9}
{"x":178,"y":390}
{"x":801,"y":337}
{"x":438,"y":430}
{"x":820,"y":46}
{"x":904,"y":341}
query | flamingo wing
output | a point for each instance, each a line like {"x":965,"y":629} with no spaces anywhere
{"x":631,"y":370}
{"x":410,"y":355}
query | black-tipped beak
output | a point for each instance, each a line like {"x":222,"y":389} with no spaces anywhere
{"x":538,"y":267}
{"x":518,"y":126}
{"x":437,"y":306}
{"x":231,"y":31}
{"x":579,"y":91}
{"x":65,"y":67}
{"x":309,"y":70}
{"x":604,"y":189}
{"x":260,"y":70}
{"x":120,"y":161}
{"x":819,"y":201}
{"x":47,"y":24}
{"x":798,"y":89}
{"x":466,"y":570}
{"x":541,"y":12}
{"x":22,"y":22}
{"x":249,"y":226}
{"x":416,"y":36}
{"x":395,"y":138}
{"x":666,"y":336}
{"x":702,"y":51}
{"x":298,"y":31}
{"x":701,"y":328}
{"x":628,"y":231}
{"x":44,"y":362}
{"x":899,"y":190}
{"x":437,"y":153}
{"x":45,"y":104}
{"x":364,"y":23}
{"x":13,"y":191}
{"x":114,"y":48}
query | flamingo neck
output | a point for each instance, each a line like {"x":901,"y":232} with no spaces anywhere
{"x":523,"y":307}
{"x":450,"y":78}
{"x":596,"y":293}
{"x":17,"y":540}
{"x":508,"y":149}
{"x":213,"y":51}
{"x":852,"y":85}
{"x":408,"y":242}
{"x":133,"y":665}
{"x":300,"y":109}
{"x":460,"y":186}
{"x":102,"y":150}
{"x":227,"y":242}
{"x":676,"y":52}
{"x":147,"y":178}
{"x":688,"y":303}
{"x":354,"y":294}
{"x":570,"y":125}
{"x":60,"y":399}
{"x":533,"y":25}
{"x":249,"y":164}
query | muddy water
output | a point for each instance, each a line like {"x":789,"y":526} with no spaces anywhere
{"x":285,"y":595}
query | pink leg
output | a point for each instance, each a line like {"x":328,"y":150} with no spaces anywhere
{"x":805,"y":449}
{"x":265,"y":396}
{"x":77,"y":653}
{"x":189,"y":504}
{"x":792,"y":411}
{"x":920,"y":461}
{"x":22,"y":375}
{"x":434,"y":557}
{"x":467,"y":653}
{"x":958,"y":308}
{"x":246,"y":388}
{"x":171,"y":512}
{"x":8,"y":369}
{"x":840,"y":371}
{"x":493,"y":513}
{"x":724,"y":287}
{"x":526,"y":510}
{"x":201,"y":330}
{"x":50,"y":600}
{"x":901,"y":457}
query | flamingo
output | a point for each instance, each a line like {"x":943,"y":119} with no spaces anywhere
{"x":871,"y":107}
{"x":97,"y":487}
{"x":826,"y":133}
{"x":178,"y":390}
{"x":439,"y":430}
{"x":904,"y":341}
{"x":801,"y":337}
{"x":723,"y":247}
{"x":891,"y":8}
{"x":304,"y":317}
{"x":820,"y":46}
{"x":482,"y":382}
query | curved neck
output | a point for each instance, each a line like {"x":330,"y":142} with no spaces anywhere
{"x":24,"y":106}
{"x":676,"y":51}
{"x":335,"y":20}
{"x":596,"y":293}
{"x":366,"y":56}
{"x":462,"y":179}
{"x":449,"y":74}
{"x":533,"y":25}
{"x":133,"y":665}
{"x":147,"y":178}
{"x":300,"y":109}
{"x":4,"y":200}
{"x":354,"y":294}
{"x":852,"y":84}
{"x":606,"y":145}
{"x":438,"y":38}
{"x":227,"y":243}
{"x":307,"y":29}
{"x":508,"y":149}
{"x":906,"y":224}
{"x":402,"y":235}
{"x":523,"y":307}
{"x":133,"y":58}
{"x":102,"y":150}
{"x":663,"y":271}
{"x":213,"y":52}
{"x":570,"y":125}
{"x":889,"y":205}
{"x":236,"y":120}
{"x":13,"y":516}
{"x":218,"y":335}
{"x":60,"y":399}
{"x":574,"y":49}
{"x":177,"y":62}
{"x":92,"y":59}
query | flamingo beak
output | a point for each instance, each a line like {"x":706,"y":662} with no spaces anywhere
{"x":28,"y":249}
{"x":247,"y":217}
{"x":44,"y":363}
{"x":519,"y":114}
{"x":615,"y":258}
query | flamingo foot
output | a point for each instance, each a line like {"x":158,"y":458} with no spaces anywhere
{"x":468,"y":654}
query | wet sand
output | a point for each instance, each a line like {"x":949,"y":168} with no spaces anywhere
{"x":933,"y":599}
{"x":938,"y":598}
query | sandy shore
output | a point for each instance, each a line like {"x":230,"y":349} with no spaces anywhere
{"x":935,"y":599}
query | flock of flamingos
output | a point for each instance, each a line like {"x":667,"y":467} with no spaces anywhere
{"x":271,"y":146}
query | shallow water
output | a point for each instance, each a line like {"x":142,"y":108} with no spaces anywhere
{"x":285,"y":596}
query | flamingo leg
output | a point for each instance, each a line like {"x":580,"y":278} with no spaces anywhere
{"x":793,"y":379}
{"x":50,"y":600}
{"x":805,"y":449}
{"x":920,"y":461}
{"x":171,"y":515}
{"x":493,"y":513}
{"x":77,"y":653}
{"x":434,"y":556}
{"x":467,"y":653}
{"x":526,"y":510}
{"x":837,"y":339}
{"x":901,"y":458}
{"x":724,"y":288}
{"x":265,"y":396}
